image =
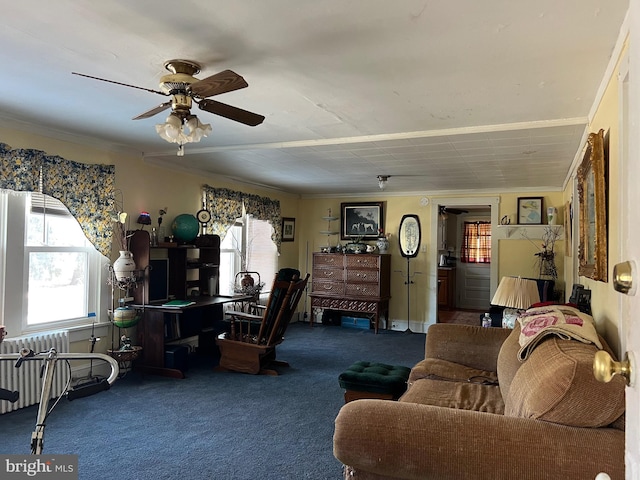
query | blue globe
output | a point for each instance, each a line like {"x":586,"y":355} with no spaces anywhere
{"x":185,"y":227}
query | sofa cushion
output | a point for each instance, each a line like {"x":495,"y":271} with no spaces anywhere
{"x":452,"y":394}
{"x":556,"y":384}
{"x":436,"y":368}
{"x":508,"y":363}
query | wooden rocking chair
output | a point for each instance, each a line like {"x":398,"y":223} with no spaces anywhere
{"x":241,"y":349}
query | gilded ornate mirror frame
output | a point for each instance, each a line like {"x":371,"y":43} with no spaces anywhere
{"x":592,"y":194}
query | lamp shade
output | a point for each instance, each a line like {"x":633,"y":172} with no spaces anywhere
{"x":144,"y":218}
{"x":516,"y":292}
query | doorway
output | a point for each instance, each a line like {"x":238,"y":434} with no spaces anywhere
{"x":489,"y":205}
{"x":473,"y":280}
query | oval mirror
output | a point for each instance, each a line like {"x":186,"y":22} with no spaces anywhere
{"x":409,"y":236}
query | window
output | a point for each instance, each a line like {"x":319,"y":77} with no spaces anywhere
{"x":53,"y":272}
{"x":476,"y":242}
{"x":247,"y":247}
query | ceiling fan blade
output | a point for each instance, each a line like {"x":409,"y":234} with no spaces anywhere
{"x":232,"y":113}
{"x":119,"y":83}
{"x":226,"y":81}
{"x":153,"y":111}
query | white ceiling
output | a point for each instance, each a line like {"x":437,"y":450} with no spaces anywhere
{"x":441,"y":95}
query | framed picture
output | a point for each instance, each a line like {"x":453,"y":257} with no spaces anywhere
{"x":530,"y":210}
{"x":361,"y":221}
{"x":288,"y":229}
{"x":592,"y":195}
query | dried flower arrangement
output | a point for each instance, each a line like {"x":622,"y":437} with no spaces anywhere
{"x":546,"y":256}
{"x":121,"y":232}
{"x":161,"y":212}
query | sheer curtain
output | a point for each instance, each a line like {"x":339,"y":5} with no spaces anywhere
{"x":87,"y":190}
{"x":476,"y":242}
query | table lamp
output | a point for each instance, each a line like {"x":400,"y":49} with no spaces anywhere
{"x":515,"y":293}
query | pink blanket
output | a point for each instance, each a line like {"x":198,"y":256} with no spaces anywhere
{"x":566,"y":322}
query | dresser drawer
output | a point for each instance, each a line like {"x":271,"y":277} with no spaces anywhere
{"x":366,"y":276}
{"x":328,"y":260}
{"x":362,"y":261}
{"x":327,"y":287}
{"x":328,"y":273}
{"x":362,"y":289}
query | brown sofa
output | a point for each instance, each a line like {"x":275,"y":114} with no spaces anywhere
{"x":472,"y":410}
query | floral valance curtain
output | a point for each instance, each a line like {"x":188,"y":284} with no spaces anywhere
{"x":264,"y":208}
{"x":86,"y":190}
{"x":226,"y":207}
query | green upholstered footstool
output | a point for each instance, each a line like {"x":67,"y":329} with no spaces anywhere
{"x":374,"y":380}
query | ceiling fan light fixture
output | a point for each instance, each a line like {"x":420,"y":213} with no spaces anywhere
{"x":173,"y":130}
{"x":184,"y":89}
{"x":196,"y":128}
{"x":382,"y":181}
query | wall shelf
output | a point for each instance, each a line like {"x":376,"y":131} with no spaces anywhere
{"x":531,"y":231}
{"x":329,"y":232}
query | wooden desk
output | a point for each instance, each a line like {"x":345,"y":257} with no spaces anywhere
{"x":192,"y":320}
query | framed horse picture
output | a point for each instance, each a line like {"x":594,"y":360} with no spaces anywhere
{"x":361,"y":221}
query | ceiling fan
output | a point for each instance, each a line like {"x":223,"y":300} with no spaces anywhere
{"x":185,"y":89}
{"x":443,"y":210}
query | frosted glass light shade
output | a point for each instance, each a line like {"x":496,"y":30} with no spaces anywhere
{"x":173,"y":130}
{"x":197,"y":130}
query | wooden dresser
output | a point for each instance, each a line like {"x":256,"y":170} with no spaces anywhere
{"x":352,"y":283}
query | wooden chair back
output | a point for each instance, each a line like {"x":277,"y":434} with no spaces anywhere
{"x":286,"y":291}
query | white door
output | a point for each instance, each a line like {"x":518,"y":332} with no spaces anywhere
{"x":473,"y":280}
{"x":629,"y":323}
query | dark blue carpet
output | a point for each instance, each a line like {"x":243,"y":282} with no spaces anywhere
{"x":215,"y":425}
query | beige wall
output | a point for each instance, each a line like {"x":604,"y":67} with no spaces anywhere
{"x":148,"y":188}
{"x":605,"y":300}
{"x":312,"y":211}
{"x":516,"y":255}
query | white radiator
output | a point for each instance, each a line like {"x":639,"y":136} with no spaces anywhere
{"x":26,"y":379}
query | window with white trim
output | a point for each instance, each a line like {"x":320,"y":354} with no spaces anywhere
{"x":247,"y":246}
{"x":52,"y":277}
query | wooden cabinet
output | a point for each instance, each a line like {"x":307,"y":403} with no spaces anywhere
{"x":191,"y":273}
{"x":352,"y":283}
{"x":191,"y":269}
{"x":447,"y":288}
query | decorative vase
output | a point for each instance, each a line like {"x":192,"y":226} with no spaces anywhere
{"x":247,"y":281}
{"x":383,"y":244}
{"x":125,"y":317}
{"x":552,"y":215}
{"x":124,"y":266}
